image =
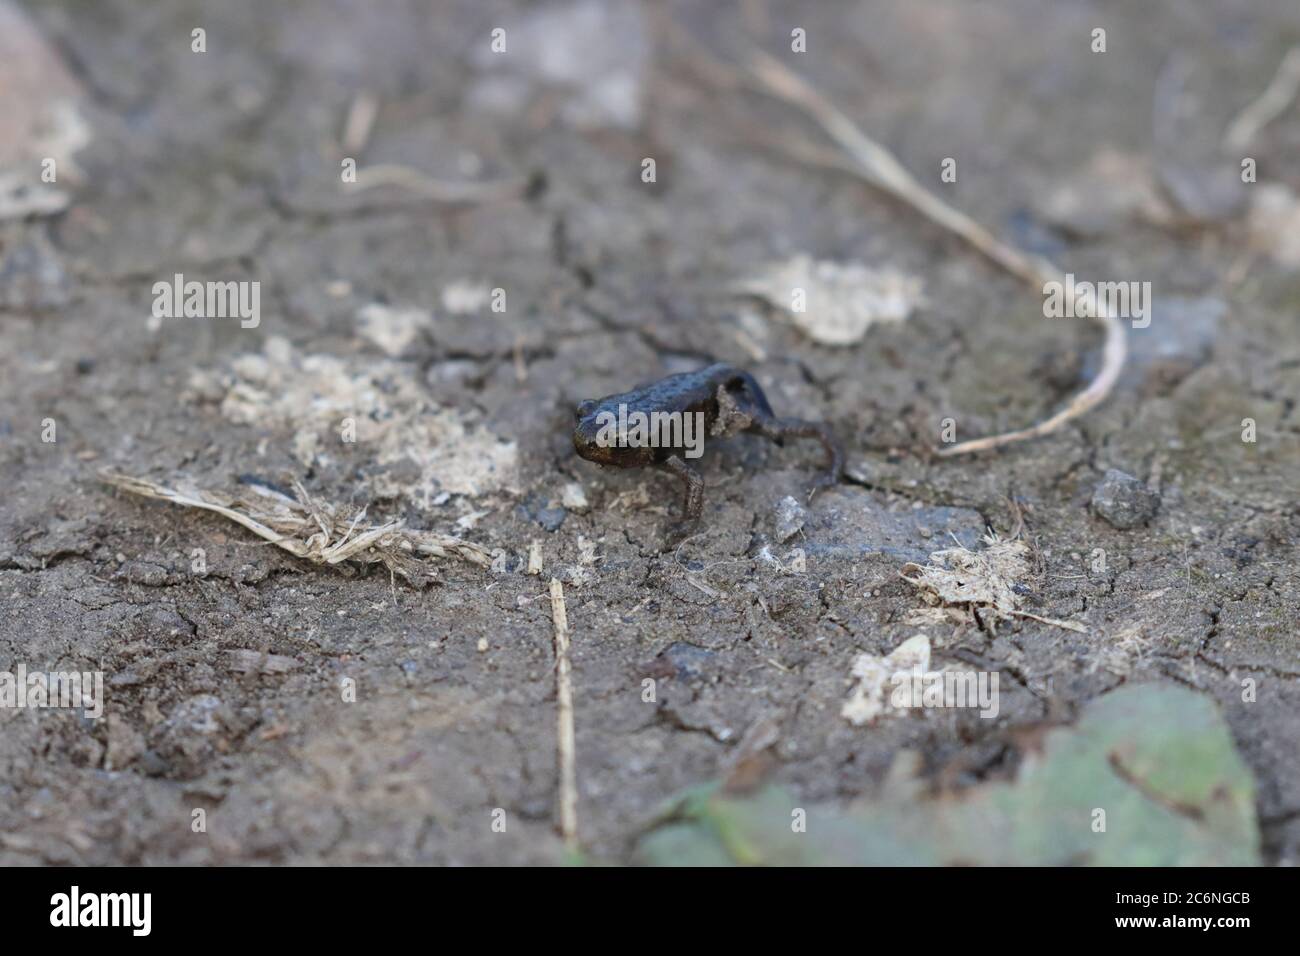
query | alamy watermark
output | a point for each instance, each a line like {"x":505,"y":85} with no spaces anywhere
{"x":75,"y":908}
{"x":53,"y":689}
{"x":208,"y":300}
{"x":1124,"y":300}
{"x":638,"y":429}
{"x":915,"y":688}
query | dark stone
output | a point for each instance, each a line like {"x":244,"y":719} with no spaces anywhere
{"x":1124,"y":501}
{"x":689,"y":661}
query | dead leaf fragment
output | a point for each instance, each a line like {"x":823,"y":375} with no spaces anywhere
{"x":875,"y":675}
{"x":983,"y":583}
{"x":423,"y":449}
{"x":1274,"y":224}
{"x":840,"y":300}
{"x":391,"y":329}
{"x":984,"y":578}
{"x":39,"y":120}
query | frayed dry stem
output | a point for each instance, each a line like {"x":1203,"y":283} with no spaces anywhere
{"x":565,"y":738}
{"x":319,"y":532}
{"x":982,"y":583}
{"x":877,"y":166}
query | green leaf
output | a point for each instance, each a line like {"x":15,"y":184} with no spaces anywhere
{"x":1157,"y":759}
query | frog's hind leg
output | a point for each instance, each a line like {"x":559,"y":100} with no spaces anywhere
{"x":694,"y":482}
{"x":777,"y":429}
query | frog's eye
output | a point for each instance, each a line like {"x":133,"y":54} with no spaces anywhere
{"x":585,"y":409}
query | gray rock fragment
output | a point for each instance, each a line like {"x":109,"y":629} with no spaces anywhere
{"x":788,"y":518}
{"x":1124,"y":501}
{"x":690,"y":661}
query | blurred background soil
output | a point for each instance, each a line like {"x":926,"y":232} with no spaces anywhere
{"x":223,"y":687}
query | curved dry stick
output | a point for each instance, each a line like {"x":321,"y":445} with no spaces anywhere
{"x":1270,"y":104}
{"x":878,"y":167}
{"x":1114,"y":352}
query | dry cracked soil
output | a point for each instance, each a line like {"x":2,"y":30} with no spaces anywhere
{"x":223,"y":656}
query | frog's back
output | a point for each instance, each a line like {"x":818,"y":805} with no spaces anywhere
{"x":686,"y":391}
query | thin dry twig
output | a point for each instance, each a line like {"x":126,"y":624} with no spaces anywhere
{"x":319,"y":532}
{"x":1056,"y":622}
{"x":565,"y":740}
{"x":1270,"y":104}
{"x":877,"y":166}
{"x":439,"y":190}
{"x":359,"y":122}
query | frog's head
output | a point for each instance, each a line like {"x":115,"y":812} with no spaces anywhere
{"x":588,"y":434}
{"x":596,"y":438}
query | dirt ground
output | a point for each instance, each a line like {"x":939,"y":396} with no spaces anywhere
{"x":225,"y":165}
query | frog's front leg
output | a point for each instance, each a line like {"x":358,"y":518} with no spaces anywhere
{"x":694,"y":482}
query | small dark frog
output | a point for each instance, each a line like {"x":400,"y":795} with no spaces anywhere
{"x":665,"y":424}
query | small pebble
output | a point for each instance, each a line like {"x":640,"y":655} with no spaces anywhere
{"x":789,"y":518}
{"x":551,"y":518}
{"x":1124,"y":501}
{"x":574,"y":498}
{"x":690,"y":661}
